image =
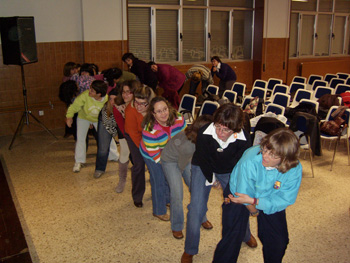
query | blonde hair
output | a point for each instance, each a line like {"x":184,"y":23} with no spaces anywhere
{"x":196,"y":76}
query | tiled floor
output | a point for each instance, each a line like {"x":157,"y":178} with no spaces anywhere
{"x":69,"y":217}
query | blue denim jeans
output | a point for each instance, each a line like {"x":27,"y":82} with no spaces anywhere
{"x":159,"y":187}
{"x":198,"y":207}
{"x":174,"y":176}
{"x":104,"y":145}
{"x":194,"y":85}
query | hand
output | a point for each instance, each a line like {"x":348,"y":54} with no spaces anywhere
{"x":69,"y":122}
{"x":242,"y":199}
{"x":215,"y":69}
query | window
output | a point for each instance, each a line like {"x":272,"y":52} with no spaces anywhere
{"x":190,"y":31}
{"x":319,"y":28}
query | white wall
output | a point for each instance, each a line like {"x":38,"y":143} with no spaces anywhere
{"x":276,"y":19}
{"x":71,"y":20}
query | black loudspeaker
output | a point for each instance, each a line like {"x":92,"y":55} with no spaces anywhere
{"x":18,"y":40}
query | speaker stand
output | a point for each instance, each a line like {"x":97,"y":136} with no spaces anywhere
{"x":25,"y":116}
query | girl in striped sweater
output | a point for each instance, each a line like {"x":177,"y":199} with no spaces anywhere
{"x":161,"y":123}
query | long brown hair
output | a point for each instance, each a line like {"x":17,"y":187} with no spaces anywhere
{"x":150,"y":120}
{"x":191,"y":131}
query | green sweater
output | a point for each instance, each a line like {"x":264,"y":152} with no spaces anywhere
{"x":87,"y":108}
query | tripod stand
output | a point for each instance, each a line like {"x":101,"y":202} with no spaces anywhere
{"x":25,"y":116}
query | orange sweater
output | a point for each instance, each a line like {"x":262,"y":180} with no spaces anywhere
{"x":133,"y":120}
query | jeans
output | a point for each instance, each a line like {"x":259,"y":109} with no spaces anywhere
{"x":194,"y":85}
{"x":106,"y":147}
{"x":198,"y":206}
{"x":159,"y":187}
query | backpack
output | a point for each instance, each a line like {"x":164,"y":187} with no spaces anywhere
{"x":254,"y":108}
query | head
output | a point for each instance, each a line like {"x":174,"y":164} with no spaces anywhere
{"x":280,"y":148}
{"x":160,"y":111}
{"x":196,"y":76}
{"x":69,"y":69}
{"x":192,"y":130}
{"x":153,"y":65}
{"x":128,"y":58}
{"x":98,"y":89}
{"x":215,"y":60}
{"x":86,"y":70}
{"x":142,"y":98}
{"x":228,"y":119}
{"x":112,"y":75}
{"x":68,"y":90}
{"x":127,"y":89}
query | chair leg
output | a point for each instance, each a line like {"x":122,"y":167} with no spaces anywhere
{"x":347,"y":147}
{"x":335,"y":149}
{"x":310,"y":154}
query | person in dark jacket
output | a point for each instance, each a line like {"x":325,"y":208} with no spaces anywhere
{"x":142,"y":70}
{"x":224,"y":72}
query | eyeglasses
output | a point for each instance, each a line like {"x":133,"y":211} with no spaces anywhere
{"x":162,"y":111}
{"x":221,"y":128}
{"x":270,"y":154}
{"x":143,"y":104}
{"x":128,"y":92}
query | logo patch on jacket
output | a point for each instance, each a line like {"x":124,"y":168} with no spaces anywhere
{"x":277,"y":185}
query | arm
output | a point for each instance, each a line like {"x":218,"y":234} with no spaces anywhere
{"x":133,"y":126}
{"x":151,"y":144}
{"x":76,"y":106}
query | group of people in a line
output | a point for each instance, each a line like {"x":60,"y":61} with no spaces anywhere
{"x":214,"y":151}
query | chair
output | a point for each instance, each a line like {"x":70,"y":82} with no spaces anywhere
{"x":239,"y":88}
{"x":302,"y":132}
{"x":213,"y":89}
{"x":335,"y":82}
{"x":347,"y":81}
{"x":344,"y":134}
{"x":328,"y":77}
{"x":312,"y":78}
{"x":342,"y":75}
{"x":299,"y":79}
{"x":341,"y":88}
{"x":281,"y":88}
{"x":230,"y":95}
{"x":272,"y":82}
{"x":300,"y":94}
{"x":294,"y":86}
{"x":187,"y":107}
{"x":312,"y":102}
{"x":320,"y":91}
{"x":280,"y":99}
{"x":208,"y":107}
{"x":258,"y":92}
{"x":318,"y":83}
{"x":275,"y":108}
{"x":260,"y":83}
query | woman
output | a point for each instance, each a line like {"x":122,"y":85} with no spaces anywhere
{"x":134,"y":114}
{"x":161,"y":123}
{"x":274,"y":167}
{"x":219,"y":146}
{"x":111,"y":124}
{"x":176,"y":163}
{"x":224,"y":72}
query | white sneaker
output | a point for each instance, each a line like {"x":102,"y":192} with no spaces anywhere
{"x":76,"y":167}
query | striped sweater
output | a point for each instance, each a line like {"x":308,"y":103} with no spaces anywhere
{"x":154,"y":141}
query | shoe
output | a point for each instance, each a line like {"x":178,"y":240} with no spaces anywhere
{"x":76,"y":167}
{"x":164,"y":217}
{"x":252,"y":242}
{"x":186,"y":258}
{"x":207,"y":225}
{"x":138,"y":204}
{"x":178,"y":234}
{"x":66,"y":135}
{"x":98,"y":174}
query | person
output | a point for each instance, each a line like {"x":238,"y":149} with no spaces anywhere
{"x":142,"y":70}
{"x":69,"y":69}
{"x":115,"y":77}
{"x":219,"y":146}
{"x":176,"y":163}
{"x":224,"y":72}
{"x":161,"y":123}
{"x":88,"y":105}
{"x":274,"y":167}
{"x":134,"y":114}
{"x":196,"y":74}
{"x":171,"y":80}
{"x":111,"y":125}
{"x":68,"y":90}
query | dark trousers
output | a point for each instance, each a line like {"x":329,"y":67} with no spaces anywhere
{"x":272,"y":232}
{"x":137,"y":171}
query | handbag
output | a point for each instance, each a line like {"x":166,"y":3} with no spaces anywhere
{"x":333,"y":127}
